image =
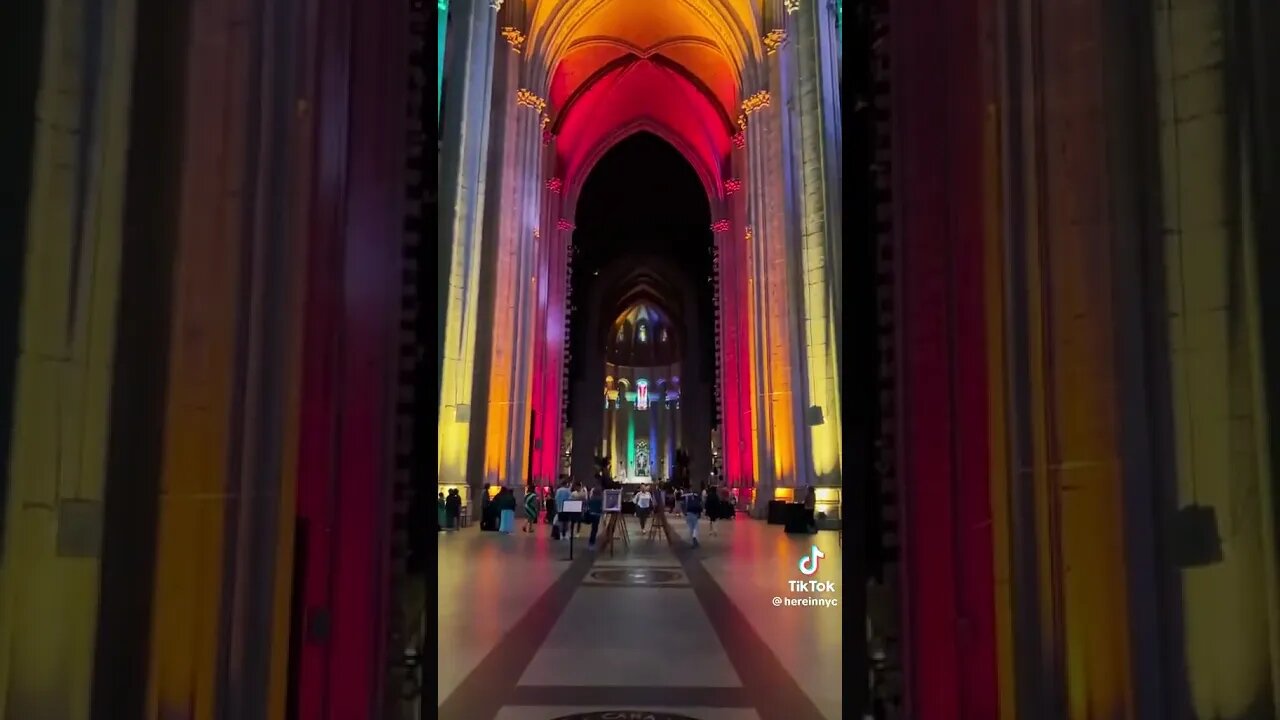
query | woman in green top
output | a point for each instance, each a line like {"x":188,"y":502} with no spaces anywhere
{"x":530,"y":509}
{"x":441,"y":520}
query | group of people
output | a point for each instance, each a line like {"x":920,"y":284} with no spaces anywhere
{"x":497,"y":512}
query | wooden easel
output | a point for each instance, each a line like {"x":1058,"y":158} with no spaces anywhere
{"x":611,"y":531}
{"x":658,"y":523}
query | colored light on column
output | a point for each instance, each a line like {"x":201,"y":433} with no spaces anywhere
{"x":739,"y":140}
{"x":555,"y":184}
{"x":791,"y":5}
{"x":720,"y":226}
{"x":564,"y":224}
{"x":642,"y":395}
{"x":527,"y":98}
{"x":732,"y":185}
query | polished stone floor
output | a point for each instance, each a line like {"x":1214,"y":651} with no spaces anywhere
{"x":655,"y":629}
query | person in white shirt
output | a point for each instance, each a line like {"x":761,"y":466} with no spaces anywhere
{"x":644,"y":505}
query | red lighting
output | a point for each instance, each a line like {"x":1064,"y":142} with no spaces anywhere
{"x":554,"y":184}
{"x":732,"y":185}
{"x":720,"y":226}
{"x":739,"y":139}
{"x":547,"y":137}
{"x":564,"y":224}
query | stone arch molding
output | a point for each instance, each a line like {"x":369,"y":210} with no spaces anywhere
{"x":730,"y":25}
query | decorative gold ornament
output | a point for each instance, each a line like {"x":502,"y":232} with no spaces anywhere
{"x":742,"y":122}
{"x":525,"y":97}
{"x":790,"y":5}
{"x":514,"y":37}
{"x":774,"y":40}
{"x":756,"y":102}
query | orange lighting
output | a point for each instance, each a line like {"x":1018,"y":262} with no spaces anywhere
{"x":785,"y":494}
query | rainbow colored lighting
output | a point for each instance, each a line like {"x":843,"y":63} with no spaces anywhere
{"x":756,"y":103}
{"x":514,"y":37}
{"x":555,"y":184}
{"x":527,"y":98}
{"x":774,"y":40}
{"x":720,"y":226}
{"x":732,"y":185}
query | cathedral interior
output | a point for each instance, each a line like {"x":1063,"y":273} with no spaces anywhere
{"x":219,"y":438}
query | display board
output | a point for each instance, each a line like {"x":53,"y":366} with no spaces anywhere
{"x":613,"y":501}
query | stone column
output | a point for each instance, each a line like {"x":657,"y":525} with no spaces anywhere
{"x":464,"y":167}
{"x":1215,"y":355}
{"x":49,"y":581}
{"x":810,"y":86}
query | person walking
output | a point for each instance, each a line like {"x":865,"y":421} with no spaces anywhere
{"x":530,"y":509}
{"x":692,"y":511}
{"x":711,"y":502}
{"x":644,"y":505}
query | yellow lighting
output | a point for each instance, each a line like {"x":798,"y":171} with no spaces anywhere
{"x":527,"y":98}
{"x":756,"y":102}
{"x":827,"y":494}
{"x":785,"y":494}
{"x":774,"y":40}
{"x":742,"y":121}
{"x":494,"y":490}
{"x":514,"y":37}
{"x":546,"y":120}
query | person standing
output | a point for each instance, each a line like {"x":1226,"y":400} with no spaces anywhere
{"x":562,"y":525}
{"x":488,"y":513}
{"x":505,"y":504}
{"x":595,"y":510}
{"x":442,"y":516}
{"x":644,"y":505}
{"x":692,"y":511}
{"x":530,"y":508}
{"x":579,"y":494}
{"x":453,"y":508}
{"x":810,"y":505}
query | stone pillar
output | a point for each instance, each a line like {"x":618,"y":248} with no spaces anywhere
{"x":519,"y":101}
{"x":463,"y":170}
{"x":1231,"y":608}
{"x":49,"y":579}
{"x":810,"y":84}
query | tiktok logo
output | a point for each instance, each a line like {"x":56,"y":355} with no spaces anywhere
{"x":809,"y":563}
